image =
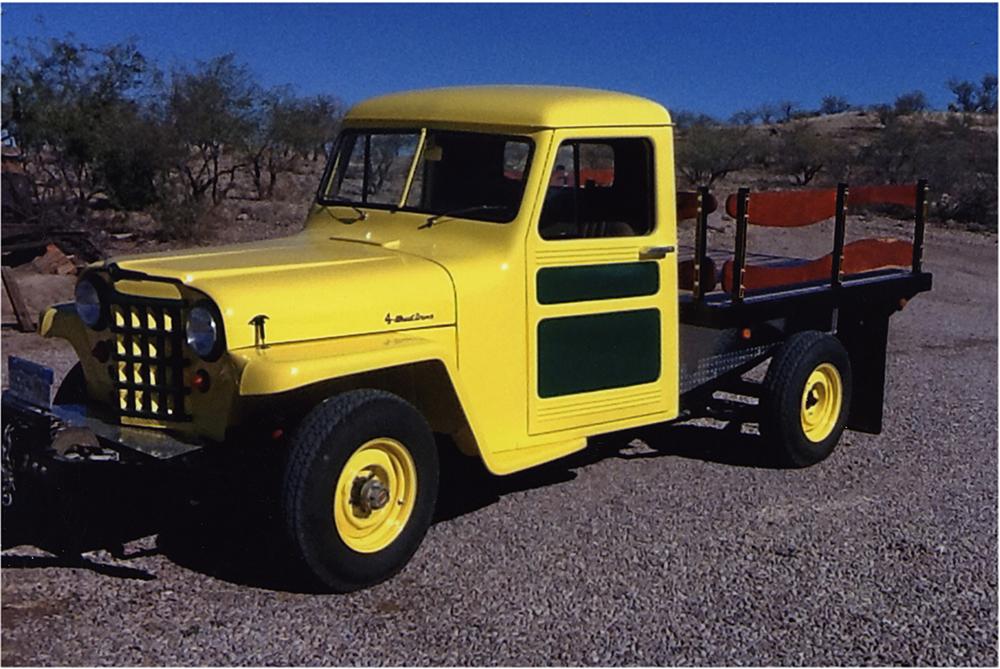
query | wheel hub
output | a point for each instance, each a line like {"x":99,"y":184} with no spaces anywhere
{"x":372,"y":494}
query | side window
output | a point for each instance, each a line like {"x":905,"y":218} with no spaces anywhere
{"x":599,"y":188}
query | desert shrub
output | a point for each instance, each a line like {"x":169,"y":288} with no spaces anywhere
{"x":965,"y":96}
{"x":959,"y":161}
{"x":708,"y":152}
{"x":911,"y":103}
{"x":180,"y":217}
{"x":684,"y":119}
{"x":834,"y":104}
{"x":971,"y":98}
{"x":803,"y":153}
{"x":961,"y":166}
{"x":285,"y":131}
{"x":766,"y":113}
{"x":987,"y":96}
{"x":209,"y":112}
{"x":177,"y":220}
{"x":743,"y":117}
{"x":78,"y":116}
{"x":788,"y":110}
{"x":885,"y":113}
{"x":307,"y":127}
{"x":133,"y":167}
{"x":100,"y":127}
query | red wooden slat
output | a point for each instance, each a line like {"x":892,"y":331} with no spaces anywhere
{"x":788,"y":209}
{"x":863,"y":255}
{"x":687,"y":205}
{"x":902,"y":194}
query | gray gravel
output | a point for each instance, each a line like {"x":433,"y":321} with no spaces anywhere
{"x":670,"y":545}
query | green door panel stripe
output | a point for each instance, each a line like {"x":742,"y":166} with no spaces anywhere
{"x":578,"y":354}
{"x":556,"y":285}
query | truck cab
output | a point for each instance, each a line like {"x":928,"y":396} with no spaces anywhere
{"x":552,"y":212}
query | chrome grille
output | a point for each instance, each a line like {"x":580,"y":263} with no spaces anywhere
{"x":148,"y":358}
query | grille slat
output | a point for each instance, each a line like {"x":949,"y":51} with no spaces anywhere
{"x":149,"y":359}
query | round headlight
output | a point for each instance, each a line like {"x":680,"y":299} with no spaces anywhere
{"x":88,"y":303}
{"x":202,"y":331}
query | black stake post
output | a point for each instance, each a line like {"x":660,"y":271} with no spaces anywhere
{"x":920,"y":217}
{"x":700,"y":241}
{"x":840,"y":222}
{"x":740,"y":257}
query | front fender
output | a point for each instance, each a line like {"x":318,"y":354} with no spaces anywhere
{"x":61,"y":322}
{"x":283,"y":367}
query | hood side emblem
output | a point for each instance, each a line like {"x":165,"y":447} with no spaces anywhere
{"x":411,"y":318}
{"x":258,"y":330}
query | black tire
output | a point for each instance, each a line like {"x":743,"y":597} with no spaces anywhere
{"x":322,"y":445}
{"x":784,"y":388}
{"x":73,"y":389}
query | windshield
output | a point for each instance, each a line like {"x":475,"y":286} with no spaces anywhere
{"x":473,"y":175}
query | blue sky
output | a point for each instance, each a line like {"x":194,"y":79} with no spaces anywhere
{"x":716,"y":59}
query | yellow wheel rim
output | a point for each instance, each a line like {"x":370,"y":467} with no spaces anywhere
{"x":821,"y":400}
{"x":375,"y":495}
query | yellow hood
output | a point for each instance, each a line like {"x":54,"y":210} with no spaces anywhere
{"x":310,"y":287}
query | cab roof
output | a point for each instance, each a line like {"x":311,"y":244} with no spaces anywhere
{"x":519,"y":106}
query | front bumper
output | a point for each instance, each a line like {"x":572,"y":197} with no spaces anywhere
{"x":72,"y":482}
{"x":41,"y":443}
{"x":59,"y":419}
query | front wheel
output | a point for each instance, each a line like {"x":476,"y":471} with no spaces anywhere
{"x":360,"y":488}
{"x":807,"y":396}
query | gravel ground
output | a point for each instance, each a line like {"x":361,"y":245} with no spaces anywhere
{"x":668,"y":545}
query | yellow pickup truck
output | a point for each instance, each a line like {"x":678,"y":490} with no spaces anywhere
{"x":494,"y":269}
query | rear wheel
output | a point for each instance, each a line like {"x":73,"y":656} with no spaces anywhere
{"x":360,"y":488}
{"x":807,"y":395}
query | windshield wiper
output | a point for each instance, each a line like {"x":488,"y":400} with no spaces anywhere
{"x":431,"y":220}
{"x":362,"y":214}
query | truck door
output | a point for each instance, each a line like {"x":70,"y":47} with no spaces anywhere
{"x":602,"y":300}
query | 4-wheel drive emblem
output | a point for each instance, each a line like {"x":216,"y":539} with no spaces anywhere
{"x":411,"y":318}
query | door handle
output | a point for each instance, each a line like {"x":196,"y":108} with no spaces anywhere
{"x":655,"y":252}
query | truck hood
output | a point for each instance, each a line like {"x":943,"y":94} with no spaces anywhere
{"x":310,"y":287}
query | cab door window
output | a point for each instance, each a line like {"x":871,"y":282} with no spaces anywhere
{"x":599,"y":188}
